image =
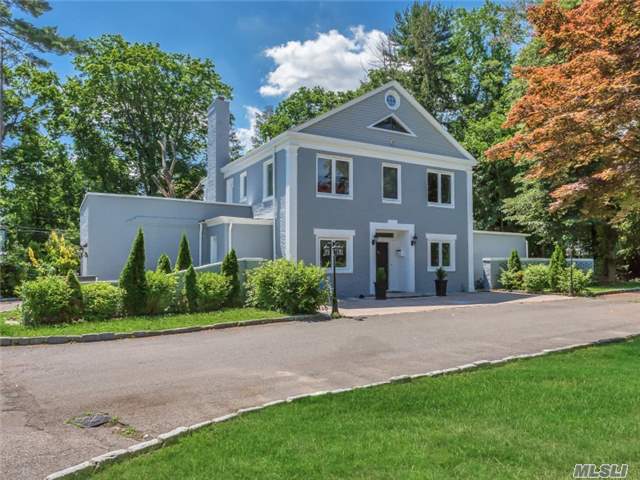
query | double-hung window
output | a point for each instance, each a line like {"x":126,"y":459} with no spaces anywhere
{"x":243,"y":187}
{"x":440,"y":188}
{"x":441,"y":252}
{"x":342,"y":242}
{"x":267,"y":180}
{"x":391,"y":183}
{"x":334,"y":177}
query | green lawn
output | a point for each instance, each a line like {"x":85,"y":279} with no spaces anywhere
{"x":613,"y":286}
{"x":529,"y":419}
{"x":130,"y":324}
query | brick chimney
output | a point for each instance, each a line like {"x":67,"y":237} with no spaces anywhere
{"x":218,"y":123}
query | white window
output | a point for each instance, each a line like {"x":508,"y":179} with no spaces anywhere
{"x":440,"y":192}
{"x":343,"y":242}
{"x":243,"y":187}
{"x":391,"y":183}
{"x":392,"y":99}
{"x":213,"y":249}
{"x":334,"y":177}
{"x":267,"y":180}
{"x":441,"y":252}
{"x":230,"y":190}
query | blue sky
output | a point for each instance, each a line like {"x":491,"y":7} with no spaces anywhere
{"x":264,"y":50}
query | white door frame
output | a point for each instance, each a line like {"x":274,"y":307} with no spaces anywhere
{"x":393,"y":225}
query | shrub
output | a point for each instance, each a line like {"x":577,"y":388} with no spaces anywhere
{"x":214,"y":291}
{"x":161,"y":292}
{"x":164,"y":264}
{"x":75,"y":300}
{"x":133,"y":280}
{"x":101,"y":301}
{"x":513,"y":264}
{"x":56,"y":257}
{"x":581,"y":280}
{"x":511,"y":280}
{"x":190,"y":293}
{"x":230,"y":269}
{"x":557,"y":265}
{"x":184,"y":254}
{"x":45,"y":300}
{"x":536,"y":278}
{"x":287,"y":286}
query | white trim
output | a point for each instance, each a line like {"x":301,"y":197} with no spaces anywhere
{"x":147,"y":197}
{"x":243,"y":186}
{"x":393,"y":225}
{"x":291,"y":203}
{"x":453,"y":188}
{"x":331,"y":234}
{"x":408,"y":132}
{"x":393,"y":94}
{"x":265,"y":166}
{"x":211,"y":222}
{"x":334,"y":159}
{"x":213,"y":239}
{"x":228,"y":193}
{"x":441,"y":238}
{"x":490,"y":232}
{"x":470,"y":240}
{"x":398,"y":167}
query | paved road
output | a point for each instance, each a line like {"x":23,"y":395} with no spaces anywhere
{"x":156,"y":384}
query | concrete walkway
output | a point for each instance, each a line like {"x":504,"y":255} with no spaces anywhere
{"x":156,"y":384}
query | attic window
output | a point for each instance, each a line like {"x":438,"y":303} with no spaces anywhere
{"x":392,"y":124}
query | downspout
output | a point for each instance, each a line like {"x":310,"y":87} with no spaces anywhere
{"x":275,"y":203}
{"x":200,"y":243}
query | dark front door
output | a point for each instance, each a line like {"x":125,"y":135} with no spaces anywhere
{"x":382,"y":259}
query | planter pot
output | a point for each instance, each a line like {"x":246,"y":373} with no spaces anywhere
{"x":441,"y":288}
{"x":381,"y":291}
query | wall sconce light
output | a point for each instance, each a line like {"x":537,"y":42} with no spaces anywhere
{"x":373,"y":241}
{"x":414,"y":240}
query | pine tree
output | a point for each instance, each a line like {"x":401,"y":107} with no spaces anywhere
{"x":184,"y":254}
{"x":514,"y":264}
{"x":133,"y":279}
{"x":164,"y":264}
{"x":230,"y":269}
{"x":191,"y":290}
{"x":556,"y":267}
{"x":76,"y":306}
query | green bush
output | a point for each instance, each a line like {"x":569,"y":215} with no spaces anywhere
{"x":45,"y":300}
{"x":557,"y":264}
{"x":133,"y":280}
{"x":514,"y":264}
{"x":581,"y":280}
{"x":75,"y":301}
{"x":287,"y":286}
{"x":190,"y":293}
{"x":161,"y":292}
{"x":184,"y":254}
{"x":214,"y":291}
{"x":536,"y":278}
{"x":511,"y":280}
{"x":101,"y":301}
{"x":164,"y":264}
{"x":230,"y":269}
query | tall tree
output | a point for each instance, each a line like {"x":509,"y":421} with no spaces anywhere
{"x":578,"y":120}
{"x":129,"y":96}
{"x":22,"y":41}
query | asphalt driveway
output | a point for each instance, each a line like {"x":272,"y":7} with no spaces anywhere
{"x":156,"y":384}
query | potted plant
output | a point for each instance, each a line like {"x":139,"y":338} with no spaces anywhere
{"x":441,"y":282}
{"x":381,"y":284}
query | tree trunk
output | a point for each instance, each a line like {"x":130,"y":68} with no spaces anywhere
{"x":605,"y":252}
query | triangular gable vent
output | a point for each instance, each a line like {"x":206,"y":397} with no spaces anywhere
{"x":392,"y":124}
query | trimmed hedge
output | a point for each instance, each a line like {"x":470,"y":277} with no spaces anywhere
{"x":101,"y":301}
{"x":162,"y":295}
{"x":581,"y":280}
{"x":214,"y":291}
{"x":536,"y":278}
{"x":286,"y":286}
{"x":45,"y":300}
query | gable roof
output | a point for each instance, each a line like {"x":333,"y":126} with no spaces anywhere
{"x":392,"y":84}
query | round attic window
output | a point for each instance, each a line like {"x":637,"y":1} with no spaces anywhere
{"x":392,"y":99}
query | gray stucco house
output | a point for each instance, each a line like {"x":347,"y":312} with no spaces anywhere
{"x":378,"y":174}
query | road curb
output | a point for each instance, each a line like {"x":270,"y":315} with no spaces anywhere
{"x":173,"y":435}
{"x":108,"y":336}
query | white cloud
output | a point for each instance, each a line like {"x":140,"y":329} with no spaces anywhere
{"x":332,"y":60}
{"x":246,"y":134}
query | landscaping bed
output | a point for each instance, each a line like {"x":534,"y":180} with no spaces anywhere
{"x":132,"y":324}
{"x":613,"y":287}
{"x":535,"y":418}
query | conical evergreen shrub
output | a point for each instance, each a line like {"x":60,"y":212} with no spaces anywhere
{"x":75,"y":299}
{"x":514,"y":264}
{"x":557,"y":265}
{"x":164,"y":264}
{"x":133,"y":280}
{"x":191,"y":290}
{"x":184,"y":254}
{"x":230,"y":270}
